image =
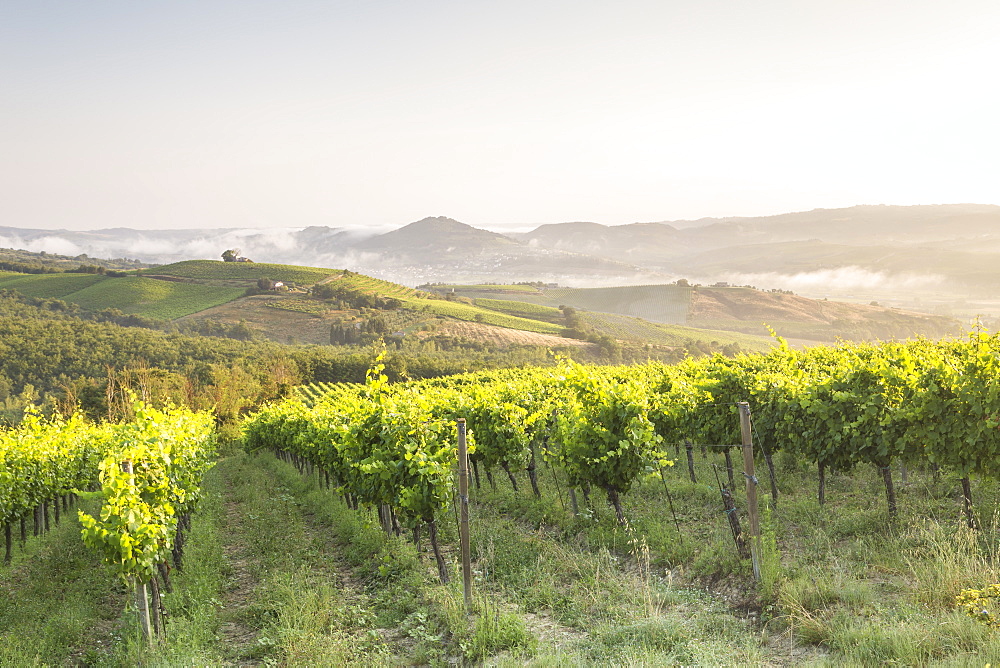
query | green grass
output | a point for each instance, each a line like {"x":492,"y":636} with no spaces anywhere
{"x":57,"y":600}
{"x":153,"y":298}
{"x":280,"y":572}
{"x":59,"y":286}
{"x":208,"y":270}
{"x":842,"y":585}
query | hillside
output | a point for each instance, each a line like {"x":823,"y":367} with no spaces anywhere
{"x":909,"y":269}
{"x":732,"y":309}
{"x":752,"y":311}
{"x":639,"y":243}
{"x":352,"y":314}
{"x":203,"y":289}
{"x":322,"y":306}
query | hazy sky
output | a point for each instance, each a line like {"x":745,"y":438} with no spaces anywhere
{"x":153,"y":114}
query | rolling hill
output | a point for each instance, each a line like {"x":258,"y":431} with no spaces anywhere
{"x":323,"y":306}
{"x":163,"y":300}
{"x":732,"y":309}
{"x":211,"y":289}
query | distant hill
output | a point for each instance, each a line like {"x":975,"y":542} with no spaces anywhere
{"x":941,"y":258}
{"x":442,"y":248}
{"x":662,"y":243}
{"x":638,"y":243}
{"x":425,"y":240}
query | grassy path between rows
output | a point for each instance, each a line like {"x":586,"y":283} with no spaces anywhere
{"x":57,"y":605}
{"x":278,"y":571}
{"x":260,"y":586}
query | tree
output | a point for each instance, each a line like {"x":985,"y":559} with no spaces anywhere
{"x":572,"y":319}
{"x":230,"y":255}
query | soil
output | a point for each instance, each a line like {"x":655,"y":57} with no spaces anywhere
{"x":240,"y":586}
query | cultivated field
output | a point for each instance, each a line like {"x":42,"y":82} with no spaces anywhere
{"x":58,"y":286}
{"x":206,"y":270}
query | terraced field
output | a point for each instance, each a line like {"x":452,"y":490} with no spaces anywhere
{"x":471,"y":313}
{"x":657,"y":303}
{"x":521,"y":309}
{"x":50,"y":286}
{"x":376,"y":286}
{"x":636,"y":330}
{"x":502,"y":336}
{"x":490,"y":289}
{"x":210,"y":270}
{"x":149,"y":297}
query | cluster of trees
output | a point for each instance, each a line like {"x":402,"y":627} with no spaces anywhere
{"x":233,"y":255}
{"x":360,"y":333}
{"x":27,"y":262}
{"x":576,"y":328}
{"x":54,"y":355}
{"x":346,"y":297}
{"x":27,"y":268}
{"x":97,"y":269}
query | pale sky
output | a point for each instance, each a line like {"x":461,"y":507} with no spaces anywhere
{"x":154,"y":115}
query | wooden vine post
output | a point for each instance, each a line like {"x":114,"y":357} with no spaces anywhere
{"x":690,"y":456}
{"x":751,"y":478}
{"x":463,"y":526}
{"x":734,"y":523}
{"x":141,"y":597}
